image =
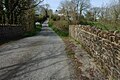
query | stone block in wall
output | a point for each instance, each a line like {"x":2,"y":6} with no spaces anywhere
{"x":104,"y":46}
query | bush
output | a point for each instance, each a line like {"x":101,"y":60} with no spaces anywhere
{"x":40,"y":18}
{"x":51,"y":22}
{"x":32,"y":33}
{"x":55,"y":17}
{"x":60,"y":27}
{"x":60,"y":32}
{"x":38,"y":27}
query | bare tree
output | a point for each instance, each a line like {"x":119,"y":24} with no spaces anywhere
{"x":81,"y":5}
{"x":12,"y":9}
{"x":96,"y":12}
{"x":68,"y":9}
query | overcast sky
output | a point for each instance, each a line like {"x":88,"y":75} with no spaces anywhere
{"x":55,"y":3}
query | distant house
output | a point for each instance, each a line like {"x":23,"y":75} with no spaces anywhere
{"x":60,"y":14}
{"x":37,"y":23}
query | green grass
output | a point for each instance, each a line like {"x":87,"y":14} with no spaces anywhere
{"x":34,"y":32}
{"x":99,"y":25}
{"x":104,"y":26}
{"x":26,"y":34}
{"x":58,"y":31}
{"x":38,"y":27}
{"x":30,"y":33}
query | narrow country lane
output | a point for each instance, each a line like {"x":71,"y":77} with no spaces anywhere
{"x":41,"y":57}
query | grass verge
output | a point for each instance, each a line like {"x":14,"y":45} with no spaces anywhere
{"x":26,"y":34}
{"x":70,"y":52}
{"x":103,"y":26}
{"x":58,"y":31}
{"x":76,"y":64}
{"x":34,"y":32}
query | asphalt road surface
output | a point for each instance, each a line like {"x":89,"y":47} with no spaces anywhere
{"x":41,"y":57}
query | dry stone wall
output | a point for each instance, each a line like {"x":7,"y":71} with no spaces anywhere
{"x":10,"y":31}
{"x":104,"y":46}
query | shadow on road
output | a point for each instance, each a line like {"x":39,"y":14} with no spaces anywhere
{"x":19,"y":69}
{"x":47,"y":52}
